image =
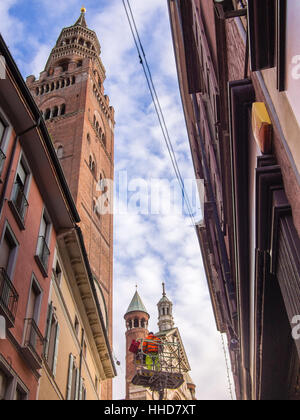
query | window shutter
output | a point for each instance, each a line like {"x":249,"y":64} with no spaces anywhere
{"x":48,"y":330}
{"x":77,"y":384}
{"x":69,"y":385}
{"x":80,"y":390}
{"x":55,"y":350}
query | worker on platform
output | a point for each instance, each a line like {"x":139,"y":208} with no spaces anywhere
{"x":152,"y":348}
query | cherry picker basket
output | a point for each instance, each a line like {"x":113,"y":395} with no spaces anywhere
{"x":162,"y":370}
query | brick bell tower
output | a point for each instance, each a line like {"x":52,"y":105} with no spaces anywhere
{"x":70,"y":95}
{"x":136,"y":318}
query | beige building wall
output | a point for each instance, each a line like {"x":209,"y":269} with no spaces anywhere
{"x":67,"y":308}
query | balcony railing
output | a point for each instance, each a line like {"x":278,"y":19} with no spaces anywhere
{"x":2,"y":159}
{"x":33,"y":344}
{"x":8,"y":298}
{"x":19,"y":203}
{"x":43,"y":254}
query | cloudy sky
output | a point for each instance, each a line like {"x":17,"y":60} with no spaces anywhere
{"x":154,"y":242}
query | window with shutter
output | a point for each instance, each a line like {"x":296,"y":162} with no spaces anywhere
{"x":55,"y":350}
{"x":52,"y":340}
{"x":2,"y":131}
{"x":43,"y":251}
{"x":2,"y":136}
{"x":3,"y":385}
{"x":77,"y":385}
{"x":6,"y":249}
{"x":70,"y":375}
{"x":8,"y":252}
{"x":18,"y":203}
{"x":48,"y":330}
{"x":74,"y":382}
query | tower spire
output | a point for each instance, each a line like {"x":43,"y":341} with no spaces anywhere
{"x":165,"y":308}
{"x":136,"y":304}
{"x":164,"y":291}
{"x":81,"y":20}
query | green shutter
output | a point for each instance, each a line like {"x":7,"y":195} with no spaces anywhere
{"x":55,"y":350}
{"x":70,"y":372}
{"x":80,"y":390}
{"x":48,"y":330}
{"x":77,"y":384}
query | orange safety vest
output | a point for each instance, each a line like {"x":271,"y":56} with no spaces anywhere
{"x":151,"y":347}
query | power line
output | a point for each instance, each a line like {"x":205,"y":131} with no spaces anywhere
{"x":156,"y":103}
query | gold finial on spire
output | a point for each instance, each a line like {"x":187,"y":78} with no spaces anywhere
{"x":83,"y":9}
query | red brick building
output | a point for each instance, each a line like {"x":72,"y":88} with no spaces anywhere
{"x":80,"y":120}
{"x":35,"y":207}
{"x":238,"y":71}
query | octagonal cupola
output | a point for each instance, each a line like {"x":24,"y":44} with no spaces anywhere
{"x":75,"y":44}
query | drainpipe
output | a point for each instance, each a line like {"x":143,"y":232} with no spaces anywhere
{"x":12,"y":156}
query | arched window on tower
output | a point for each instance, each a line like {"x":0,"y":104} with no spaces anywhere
{"x":52,"y":86}
{"x":130,"y":324}
{"x":63,"y":109}
{"x":60,"y":152}
{"x":68,"y":82}
{"x":55,"y":112}
{"x":47,"y":114}
{"x":64,"y":65}
{"x":94,"y":168}
{"x":143,"y":323}
{"x":104,"y":139}
{"x":73,"y":80}
{"x":136,"y":323}
{"x":92,"y":165}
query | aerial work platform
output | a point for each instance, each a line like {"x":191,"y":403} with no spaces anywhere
{"x":159,"y":371}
